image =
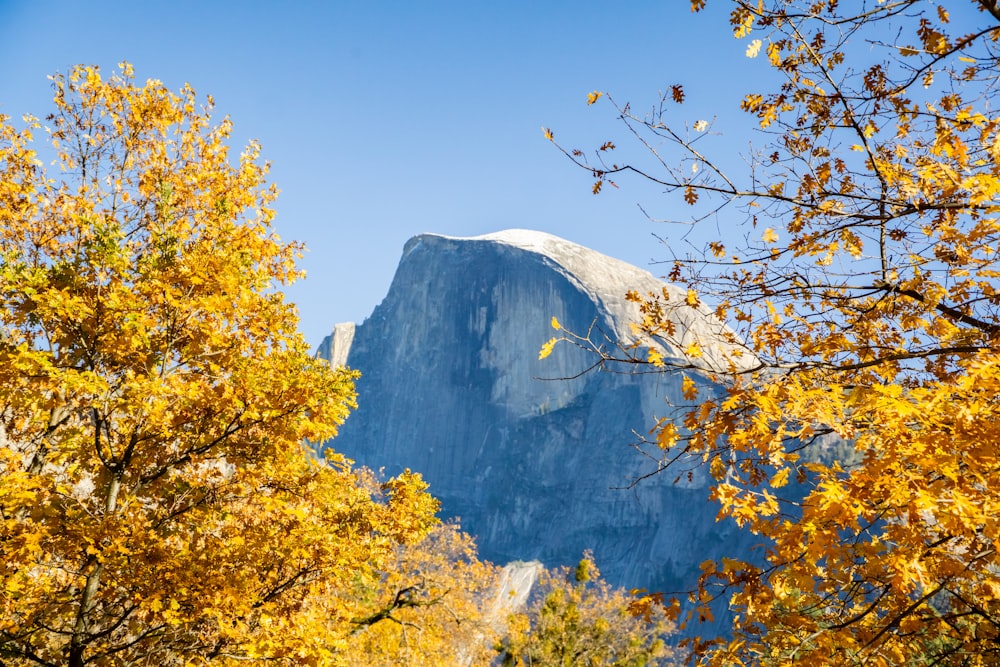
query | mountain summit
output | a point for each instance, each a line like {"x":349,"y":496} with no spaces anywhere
{"x":533,"y":455}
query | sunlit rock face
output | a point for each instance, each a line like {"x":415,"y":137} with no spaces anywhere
{"x":533,"y":455}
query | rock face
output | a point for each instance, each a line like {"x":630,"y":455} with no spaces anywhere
{"x":452,"y":387}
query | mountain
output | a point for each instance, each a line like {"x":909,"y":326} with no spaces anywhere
{"x":533,"y":455}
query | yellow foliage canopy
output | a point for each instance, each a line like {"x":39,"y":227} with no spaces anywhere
{"x":858,"y":434}
{"x":579,"y":620}
{"x":156,"y":502}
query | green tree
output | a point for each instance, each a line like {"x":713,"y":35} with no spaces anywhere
{"x":859,"y":272}
{"x":157,"y":505}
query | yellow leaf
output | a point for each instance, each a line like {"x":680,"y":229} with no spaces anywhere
{"x":689,"y":389}
{"x":555,"y":323}
{"x":770,"y":236}
{"x":667,"y":435}
{"x":693,"y":350}
{"x":691,"y":298}
{"x":743,"y":24}
{"x":774,"y":54}
{"x":547,"y":348}
{"x":594,"y":96}
{"x":732,"y":565}
{"x":548,"y":133}
{"x":753,"y":49}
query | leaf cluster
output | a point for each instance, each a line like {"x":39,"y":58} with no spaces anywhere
{"x":855,"y":432}
{"x":157,"y":502}
{"x":578,"y":620}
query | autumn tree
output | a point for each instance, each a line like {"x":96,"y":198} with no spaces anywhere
{"x":433,"y":606}
{"x":859,"y":273}
{"x":578,"y":620}
{"x":157,"y":505}
{"x":439,"y":604}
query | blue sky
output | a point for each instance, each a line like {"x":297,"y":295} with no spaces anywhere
{"x":383,"y":120}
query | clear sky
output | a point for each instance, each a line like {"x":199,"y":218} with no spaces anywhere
{"x":384,"y":120}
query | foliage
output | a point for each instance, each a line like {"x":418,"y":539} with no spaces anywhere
{"x":156,"y":502}
{"x":431,"y":608}
{"x":865,"y":297}
{"x":438,"y":604}
{"x":578,"y":620}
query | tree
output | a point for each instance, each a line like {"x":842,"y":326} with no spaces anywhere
{"x":579,"y":620}
{"x":864,"y":298}
{"x":157,"y":504}
{"x":432,"y":607}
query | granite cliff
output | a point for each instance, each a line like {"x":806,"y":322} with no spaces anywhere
{"x":533,"y":455}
